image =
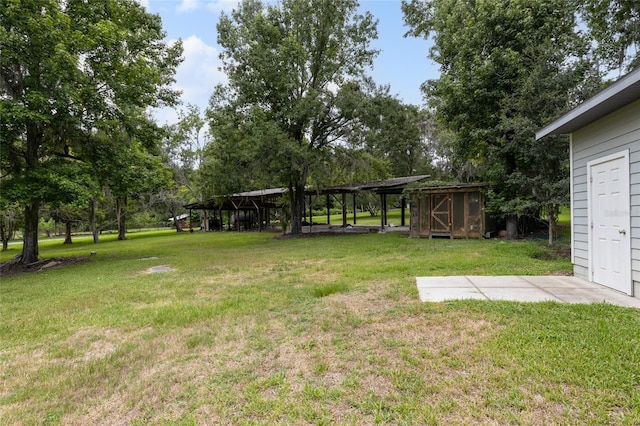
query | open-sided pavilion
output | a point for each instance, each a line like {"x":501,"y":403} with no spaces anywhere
{"x":252,"y":209}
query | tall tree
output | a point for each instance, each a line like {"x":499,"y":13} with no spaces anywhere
{"x":392,"y":130}
{"x":66,"y":69}
{"x":615,"y":27}
{"x":184,"y":146}
{"x":507,"y":68}
{"x":291,"y":67}
{"x":122,"y":164}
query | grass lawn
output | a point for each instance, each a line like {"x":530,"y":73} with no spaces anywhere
{"x":364,"y":218}
{"x":249,"y":329}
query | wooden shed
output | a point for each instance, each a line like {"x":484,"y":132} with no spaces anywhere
{"x":455,"y":211}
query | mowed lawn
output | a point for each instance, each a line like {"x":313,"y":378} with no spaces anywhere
{"x":250,"y":329}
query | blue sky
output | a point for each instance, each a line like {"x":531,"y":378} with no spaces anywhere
{"x":402,"y":62}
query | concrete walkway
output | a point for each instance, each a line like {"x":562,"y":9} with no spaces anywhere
{"x":565,"y":289}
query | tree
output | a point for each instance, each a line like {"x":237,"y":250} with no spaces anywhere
{"x":68,"y":68}
{"x":615,"y":27}
{"x":184,"y":147}
{"x":291,"y":70}
{"x":122,"y":164}
{"x":70,"y":184}
{"x":507,"y":68}
{"x":392,"y":130}
{"x":8,"y":219}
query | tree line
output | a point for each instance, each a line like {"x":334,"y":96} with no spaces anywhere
{"x":299,"y":108}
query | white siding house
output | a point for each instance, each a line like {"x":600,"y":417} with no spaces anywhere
{"x":605,"y":184}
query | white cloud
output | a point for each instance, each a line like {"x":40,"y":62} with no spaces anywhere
{"x":195,"y":77}
{"x":222,"y":5}
{"x":212,"y":5}
{"x":186,"y":5}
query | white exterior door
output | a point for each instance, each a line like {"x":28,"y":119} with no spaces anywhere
{"x":609,"y":222}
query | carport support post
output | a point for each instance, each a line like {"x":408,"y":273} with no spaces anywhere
{"x":328,"y":210}
{"x":310,"y":212}
{"x":344,"y":209}
{"x":382,"y":200}
{"x":355,"y":210}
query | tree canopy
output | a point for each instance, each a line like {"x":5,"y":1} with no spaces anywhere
{"x":69,"y":70}
{"x":507,"y":68}
{"x":292,"y":69}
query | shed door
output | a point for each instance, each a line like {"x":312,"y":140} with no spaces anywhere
{"x":610,"y":219}
{"x":440,"y":220}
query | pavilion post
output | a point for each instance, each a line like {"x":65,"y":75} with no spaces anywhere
{"x":402,"y":209}
{"x":344,"y":209}
{"x":328,"y":209}
{"x":382,"y":211}
{"x":310,"y":212}
{"x":355,"y":209}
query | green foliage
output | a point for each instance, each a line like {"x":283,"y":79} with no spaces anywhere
{"x":67,"y":70}
{"x":391,"y":131}
{"x":280,"y":111}
{"x":183,"y":149}
{"x":615,"y":27}
{"x":507,"y":68}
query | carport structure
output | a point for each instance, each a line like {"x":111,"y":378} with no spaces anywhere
{"x":252,"y":209}
{"x":383,"y":188}
{"x":244,"y":210}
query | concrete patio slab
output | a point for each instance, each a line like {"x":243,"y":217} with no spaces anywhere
{"x":566,"y":289}
{"x":553,"y":281}
{"x":507,"y":281}
{"x":527,"y":294}
{"x":457,"y":282}
{"x":442,"y":294}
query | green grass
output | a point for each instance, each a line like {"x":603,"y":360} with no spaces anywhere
{"x":325,"y":330}
{"x":364,"y":218}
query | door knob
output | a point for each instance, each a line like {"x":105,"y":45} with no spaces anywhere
{"x":623,"y":232}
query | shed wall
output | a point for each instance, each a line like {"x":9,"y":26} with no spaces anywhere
{"x":616,"y":132}
{"x":448,"y":212}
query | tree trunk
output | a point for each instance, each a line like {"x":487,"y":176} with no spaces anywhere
{"x":552,"y":228}
{"x":512,"y":227}
{"x":92,"y":220}
{"x":67,"y":233}
{"x":30,"y":243}
{"x":176,"y":222}
{"x":5,"y":234}
{"x":296,"y":196}
{"x":204,"y":221}
{"x":30,"y":239}
{"x":121,"y":216}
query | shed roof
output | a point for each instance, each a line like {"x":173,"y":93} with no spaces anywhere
{"x":451,"y":187}
{"x":622,"y":92}
{"x":386,"y":186}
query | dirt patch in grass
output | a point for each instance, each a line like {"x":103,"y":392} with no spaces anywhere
{"x":13,"y":267}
